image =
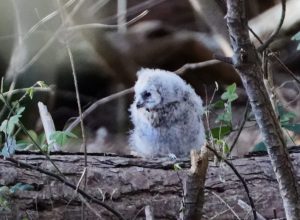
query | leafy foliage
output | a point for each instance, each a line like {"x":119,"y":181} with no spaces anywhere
{"x":224,"y":119}
{"x":177,"y":167}
{"x":8,"y":125}
{"x":230,"y":94}
{"x":7,"y":128}
{"x":220,"y":132}
{"x":26,"y":143}
{"x":286,"y":122}
{"x":227,"y":97}
{"x":9,"y":147}
{"x":61,"y":137}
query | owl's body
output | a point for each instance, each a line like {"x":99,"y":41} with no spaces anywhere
{"x":166,"y":115}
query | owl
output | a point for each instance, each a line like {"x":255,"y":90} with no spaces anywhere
{"x":166,"y":114}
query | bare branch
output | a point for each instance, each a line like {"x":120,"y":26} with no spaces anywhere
{"x":97,"y":104}
{"x":193,"y":66}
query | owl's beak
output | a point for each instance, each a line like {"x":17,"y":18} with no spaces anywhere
{"x":140,"y":104}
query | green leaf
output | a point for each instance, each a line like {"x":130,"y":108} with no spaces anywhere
{"x":224,"y":117}
{"x":61,"y":137}
{"x":260,"y":147}
{"x":22,"y":145}
{"x":71,"y":135}
{"x":292,"y":127}
{"x":7,"y":126}
{"x":13,"y":120}
{"x":226,"y":148}
{"x":219,"y":104}
{"x":3,"y":126}
{"x":9,"y":147}
{"x":220,"y":132}
{"x":21,"y":187}
{"x":177,"y":167}
{"x":42,"y":139}
{"x":285,"y":116}
{"x":30,"y":92}
{"x":20,"y":110}
{"x":33,"y":135}
{"x":230,"y":94}
{"x":27,"y":142}
{"x":42,"y":84}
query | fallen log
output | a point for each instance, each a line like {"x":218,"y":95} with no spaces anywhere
{"x":129,"y":184}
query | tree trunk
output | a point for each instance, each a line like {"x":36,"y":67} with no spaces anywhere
{"x":129,"y":184}
{"x":247,"y":63}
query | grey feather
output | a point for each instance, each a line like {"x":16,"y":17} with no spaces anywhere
{"x":166,"y":114}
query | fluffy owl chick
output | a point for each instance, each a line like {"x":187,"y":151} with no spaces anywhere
{"x":166,"y":114}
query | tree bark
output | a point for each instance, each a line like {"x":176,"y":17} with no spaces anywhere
{"x":193,"y":187}
{"x":247,"y":64}
{"x":130,"y":184}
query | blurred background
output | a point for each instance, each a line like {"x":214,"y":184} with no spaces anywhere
{"x":111,"y":39}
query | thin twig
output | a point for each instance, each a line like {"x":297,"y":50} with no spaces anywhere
{"x":242,"y":124}
{"x":122,"y":15}
{"x":207,"y":112}
{"x":13,"y":59}
{"x":138,"y":212}
{"x":271,"y":53}
{"x":78,"y":100}
{"x":81,"y":178}
{"x":97,"y":104}
{"x":109,"y":26}
{"x":45,"y":19}
{"x":72,"y":186}
{"x":131,"y":11}
{"x":247,"y":208}
{"x":285,"y":67}
{"x":24,"y":90}
{"x":87,"y":204}
{"x":219,"y":214}
{"x":225,"y":203}
{"x":65,"y":23}
{"x":50,"y":41}
{"x":275,"y":33}
{"x":223,"y":59}
{"x":192,"y":66}
{"x":240,"y":178}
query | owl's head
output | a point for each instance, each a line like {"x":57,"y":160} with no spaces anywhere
{"x":155,"y":89}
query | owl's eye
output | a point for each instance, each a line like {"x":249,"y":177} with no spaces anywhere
{"x":146,"y":95}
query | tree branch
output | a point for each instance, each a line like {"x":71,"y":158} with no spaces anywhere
{"x":247,"y":63}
